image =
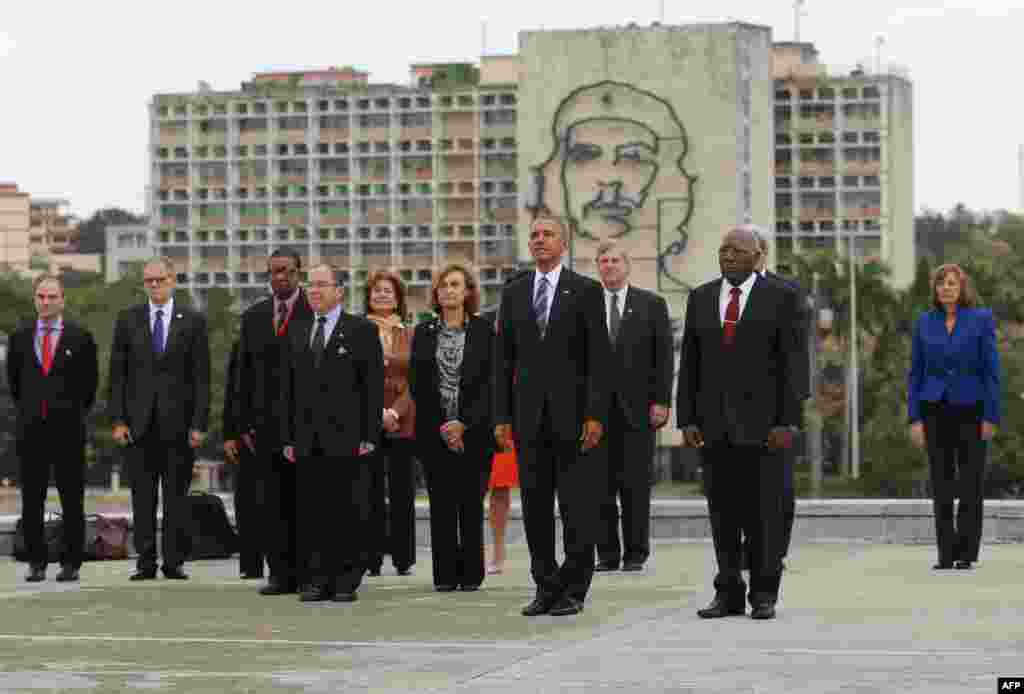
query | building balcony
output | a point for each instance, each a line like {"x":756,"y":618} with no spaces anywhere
{"x":783,"y":213}
{"x":168,"y":182}
{"x":294,"y":219}
{"x":252,"y":137}
{"x":337,"y":260}
{"x":814,"y":214}
{"x":416,"y":133}
{"x":254,"y":220}
{"x":213,"y":264}
{"x":173,"y":139}
{"x":862,"y":212}
{"x":817,"y":168}
{"x":506,"y":214}
{"x":211,"y":139}
{"x":213,"y":221}
{"x":174,"y":222}
{"x":498,"y":258}
{"x":416,"y":261}
{"x":862,"y":168}
{"x":253,"y":263}
{"x":290,"y":137}
{"x":293,"y":179}
{"x":377,"y":262}
{"x":373,"y":134}
{"x":213,"y":181}
{"x":419,"y":216}
{"x":378,"y":217}
{"x":783,"y":169}
{"x":335,"y":219}
{"x":334,"y":134}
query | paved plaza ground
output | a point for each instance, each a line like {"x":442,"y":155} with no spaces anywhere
{"x":853,"y":618}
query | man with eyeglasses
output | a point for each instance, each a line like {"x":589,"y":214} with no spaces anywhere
{"x":160,"y":407}
{"x":739,"y":403}
{"x":265,"y":500}
{"x":333,"y":390}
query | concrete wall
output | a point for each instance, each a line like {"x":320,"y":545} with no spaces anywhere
{"x":679,"y":118}
{"x":500,"y":69}
{"x":898,"y":158}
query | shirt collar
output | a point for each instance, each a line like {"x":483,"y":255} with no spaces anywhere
{"x":56,"y":325}
{"x":167,"y":308}
{"x":331,"y":315}
{"x":745,"y":288}
{"x":289,"y":302}
{"x":552,"y":276}
{"x":621,"y":291}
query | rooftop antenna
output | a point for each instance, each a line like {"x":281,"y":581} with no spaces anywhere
{"x":661,"y":14}
{"x":879,"y":42}
{"x":483,"y":37}
{"x":1020,"y":175}
{"x":798,"y":12}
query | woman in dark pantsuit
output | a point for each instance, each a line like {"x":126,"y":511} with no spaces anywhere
{"x":954,"y":402}
{"x":450,"y":379}
{"x":392,"y":525}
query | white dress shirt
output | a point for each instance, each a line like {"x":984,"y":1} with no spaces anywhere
{"x":726,"y":296}
{"x":608,"y":305}
{"x":552,"y":278}
{"x":332,"y":319}
{"x":165,"y":318}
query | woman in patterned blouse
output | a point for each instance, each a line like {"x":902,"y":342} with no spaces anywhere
{"x":450,"y":380}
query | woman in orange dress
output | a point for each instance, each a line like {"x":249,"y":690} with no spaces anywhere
{"x":504,"y":477}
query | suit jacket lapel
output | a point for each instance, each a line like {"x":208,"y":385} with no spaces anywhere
{"x":61,"y":348}
{"x":716,"y":303}
{"x":174,"y":328}
{"x":563,"y":290}
{"x":529,"y":291}
{"x":753,"y":304}
{"x":337,"y":335}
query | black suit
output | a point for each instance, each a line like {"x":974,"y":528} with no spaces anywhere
{"x":640,"y":376}
{"x":161,"y":398}
{"x":333,"y":408}
{"x":56,"y":440}
{"x":456,"y":482}
{"x":247,"y":506}
{"x":268,"y":479}
{"x":789,"y":483}
{"x":545,"y":387}
{"x":736,"y":395}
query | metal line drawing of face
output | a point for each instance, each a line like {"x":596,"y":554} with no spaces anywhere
{"x":616,"y":169}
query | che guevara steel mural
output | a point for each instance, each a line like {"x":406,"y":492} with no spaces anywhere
{"x":616,"y":171}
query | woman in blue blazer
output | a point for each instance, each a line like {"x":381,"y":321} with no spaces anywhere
{"x":953,"y":398}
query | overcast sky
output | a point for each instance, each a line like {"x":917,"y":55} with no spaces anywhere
{"x":76,"y":77}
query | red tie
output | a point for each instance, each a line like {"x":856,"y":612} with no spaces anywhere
{"x":47,"y":361}
{"x":732,"y":317}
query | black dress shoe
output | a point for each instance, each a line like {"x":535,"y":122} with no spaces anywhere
{"x":540,"y":605}
{"x":404,"y":571}
{"x":942,"y":566}
{"x":67,"y":574}
{"x":633,"y":566}
{"x":566,"y":606}
{"x":720,"y":608}
{"x":250,"y":575}
{"x":606,"y":566}
{"x":961,"y":564}
{"x":174,"y":573}
{"x":373,"y":571}
{"x":315,"y":594}
{"x":345,"y":597}
{"x":36,"y":574}
{"x":275,"y":587}
{"x":143,"y":575}
{"x":765,"y":610}
{"x":445,"y":587}
{"x":469,"y":587}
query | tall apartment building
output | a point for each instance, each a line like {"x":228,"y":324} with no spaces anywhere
{"x":15,"y":208}
{"x":843,"y":161}
{"x":360,"y":175}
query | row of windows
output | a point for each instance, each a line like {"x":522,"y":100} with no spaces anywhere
{"x":325,"y":148}
{"x":829,"y":227}
{"x":828,"y":138}
{"x":828,"y":182}
{"x":219,"y":126}
{"x":328,"y":105}
{"x":825,"y":113}
{"x":829,"y":93}
{"x":344,"y":233}
{"x":422,"y":276}
{"x":363,"y":190}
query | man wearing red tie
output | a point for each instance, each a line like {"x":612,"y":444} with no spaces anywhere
{"x":738,"y":402}
{"x":52,"y":374}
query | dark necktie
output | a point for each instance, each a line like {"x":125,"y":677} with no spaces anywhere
{"x":732,"y":317}
{"x":158,"y":333}
{"x":282,"y":319}
{"x":615,"y":319}
{"x":318,"y":341}
{"x":540,"y":304}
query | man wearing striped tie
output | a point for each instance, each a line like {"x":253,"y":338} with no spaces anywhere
{"x":551,"y":365}
{"x":51,"y":370}
{"x":739,"y":402}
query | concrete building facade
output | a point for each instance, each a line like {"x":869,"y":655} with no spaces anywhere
{"x":844,"y":169}
{"x":15,"y":211}
{"x":39,"y":234}
{"x":127,"y":247}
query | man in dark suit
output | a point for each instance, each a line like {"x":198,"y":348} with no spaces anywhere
{"x":52,"y":373}
{"x":738,"y":402}
{"x":640,"y":390}
{"x":250,"y":556}
{"x":335,"y":394}
{"x":268,"y":480}
{"x":160,"y":406}
{"x":806,"y":318}
{"x":551,"y":362}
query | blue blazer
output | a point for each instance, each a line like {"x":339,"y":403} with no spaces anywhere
{"x":963,"y":367}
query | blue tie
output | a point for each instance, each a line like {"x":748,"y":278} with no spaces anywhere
{"x":158,"y":333}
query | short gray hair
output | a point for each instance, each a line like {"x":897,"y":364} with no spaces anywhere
{"x":163,"y":261}
{"x":612,"y":247}
{"x":48,"y":277}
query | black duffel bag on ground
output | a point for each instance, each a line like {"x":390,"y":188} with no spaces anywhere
{"x":209,"y":532}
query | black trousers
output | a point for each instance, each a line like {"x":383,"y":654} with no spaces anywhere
{"x":332,"y":518}
{"x":44,"y":447}
{"x":630,"y":459}
{"x":744,"y":488}
{"x":956,"y":457}
{"x":548,"y":467}
{"x":166,"y":465}
{"x":456,"y":485}
{"x":249,"y":492}
{"x":393,"y":524}
{"x":278,"y":528}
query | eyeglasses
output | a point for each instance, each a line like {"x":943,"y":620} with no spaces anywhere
{"x":155,"y":280}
